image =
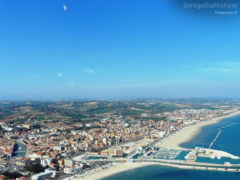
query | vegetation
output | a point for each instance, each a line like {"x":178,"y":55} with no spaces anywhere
{"x":83,"y":111}
{"x":35,"y":168}
{"x":12,"y":175}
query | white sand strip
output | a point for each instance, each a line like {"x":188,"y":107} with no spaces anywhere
{"x":187,"y":133}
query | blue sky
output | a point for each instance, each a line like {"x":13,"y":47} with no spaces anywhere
{"x":116,"y":49}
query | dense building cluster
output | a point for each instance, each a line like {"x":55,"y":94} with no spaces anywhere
{"x":52,"y":145}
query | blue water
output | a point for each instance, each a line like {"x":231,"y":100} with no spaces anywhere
{"x":218,"y":161}
{"x":227,"y":141}
{"x":167,"y":173}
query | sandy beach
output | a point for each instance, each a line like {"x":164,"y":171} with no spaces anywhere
{"x":116,"y":169}
{"x":173,"y":141}
{"x":189,"y":132}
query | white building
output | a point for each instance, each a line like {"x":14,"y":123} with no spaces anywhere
{"x":43,"y":175}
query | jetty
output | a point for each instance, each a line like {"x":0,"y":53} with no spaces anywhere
{"x":214,"y":140}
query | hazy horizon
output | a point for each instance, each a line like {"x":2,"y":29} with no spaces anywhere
{"x":117,"y":49}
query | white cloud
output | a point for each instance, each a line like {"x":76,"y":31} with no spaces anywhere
{"x":89,"y":71}
{"x":59,"y":75}
{"x":65,"y":7}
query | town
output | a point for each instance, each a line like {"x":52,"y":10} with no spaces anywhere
{"x":66,"y":139}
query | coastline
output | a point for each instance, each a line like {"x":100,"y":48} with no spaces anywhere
{"x":115,"y":170}
{"x":189,"y":132}
{"x":174,"y":142}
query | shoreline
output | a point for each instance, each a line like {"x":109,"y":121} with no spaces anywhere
{"x":188,"y":133}
{"x":135,"y":165}
{"x":98,"y":175}
{"x":174,"y":142}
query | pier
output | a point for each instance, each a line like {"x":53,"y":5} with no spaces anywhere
{"x":214,"y":140}
{"x":219,"y":132}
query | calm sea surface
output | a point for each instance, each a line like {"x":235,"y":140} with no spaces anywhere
{"x":229,"y":141}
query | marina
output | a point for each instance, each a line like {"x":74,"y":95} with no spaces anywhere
{"x":217,"y":167}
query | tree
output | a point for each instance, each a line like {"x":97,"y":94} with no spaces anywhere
{"x":12,"y":175}
{"x":35,"y":168}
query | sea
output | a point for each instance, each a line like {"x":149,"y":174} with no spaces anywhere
{"x":228,"y":140}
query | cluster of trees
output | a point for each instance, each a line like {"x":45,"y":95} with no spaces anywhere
{"x":35,"y":168}
{"x":12,"y":175}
